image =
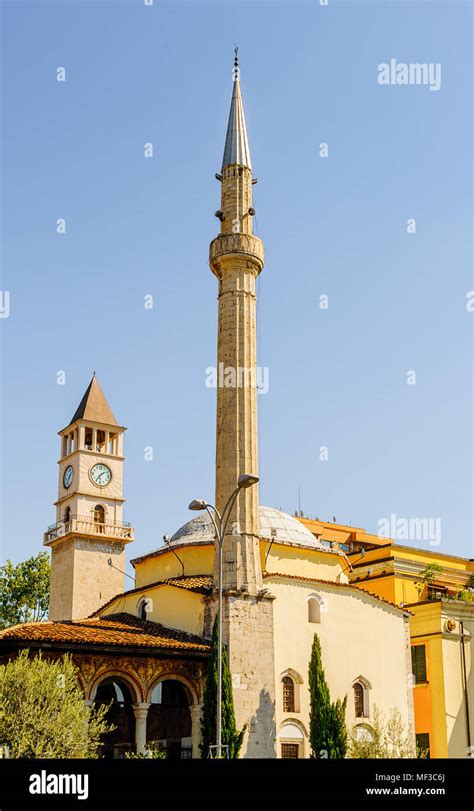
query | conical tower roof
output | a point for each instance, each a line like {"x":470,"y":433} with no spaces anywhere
{"x":236,"y":150}
{"x":94,"y":406}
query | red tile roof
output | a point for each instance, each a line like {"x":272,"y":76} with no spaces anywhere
{"x":123,"y":630}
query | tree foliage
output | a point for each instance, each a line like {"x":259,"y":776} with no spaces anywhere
{"x":24,"y":590}
{"x":153,"y":751}
{"x":382,"y":738}
{"x":327,"y":720}
{"x":42,"y":711}
{"x":231,"y":737}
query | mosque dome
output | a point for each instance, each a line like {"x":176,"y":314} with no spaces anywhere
{"x":274,"y":524}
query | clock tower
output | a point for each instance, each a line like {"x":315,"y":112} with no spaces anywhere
{"x":88,"y":539}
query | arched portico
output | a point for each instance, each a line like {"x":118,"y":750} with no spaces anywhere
{"x":173,"y":717}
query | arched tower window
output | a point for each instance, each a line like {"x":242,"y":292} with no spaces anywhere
{"x":288,"y":694}
{"x":67,"y":515}
{"x":359,"y":700}
{"x":99,"y":514}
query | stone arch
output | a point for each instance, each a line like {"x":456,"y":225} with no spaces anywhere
{"x":174,"y":677}
{"x":130,"y":681}
{"x":172,"y":718}
{"x":118,"y":693}
{"x":101,"y":504}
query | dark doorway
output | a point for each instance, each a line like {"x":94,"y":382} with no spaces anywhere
{"x":120,"y":714}
{"x":169,"y":719}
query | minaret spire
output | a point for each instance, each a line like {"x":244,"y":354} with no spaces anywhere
{"x":236,"y":150}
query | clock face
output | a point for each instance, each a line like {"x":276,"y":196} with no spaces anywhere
{"x":101,"y":475}
{"x":68,"y":476}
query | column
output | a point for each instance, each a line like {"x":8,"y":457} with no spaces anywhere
{"x":141,"y":712}
{"x":195,"y":710}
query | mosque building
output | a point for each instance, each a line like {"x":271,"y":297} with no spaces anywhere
{"x":285,"y":577}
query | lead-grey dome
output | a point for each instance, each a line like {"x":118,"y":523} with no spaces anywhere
{"x":274,"y":524}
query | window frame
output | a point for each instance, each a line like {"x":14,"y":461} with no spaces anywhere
{"x":415,"y":665}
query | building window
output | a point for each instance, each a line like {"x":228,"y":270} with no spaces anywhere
{"x":423,"y":744}
{"x":99,"y":514}
{"x":359,"y":700}
{"x":288,"y":694}
{"x":144,"y":607}
{"x":418,"y":663}
{"x":289,"y":751}
{"x":67,"y":515}
{"x":314,"y":609}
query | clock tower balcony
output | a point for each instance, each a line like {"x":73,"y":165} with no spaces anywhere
{"x":83,"y":525}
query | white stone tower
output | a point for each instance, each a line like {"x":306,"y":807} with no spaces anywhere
{"x":88,"y":539}
{"x":236,"y":259}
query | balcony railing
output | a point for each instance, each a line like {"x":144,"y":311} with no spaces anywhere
{"x":84,"y":525}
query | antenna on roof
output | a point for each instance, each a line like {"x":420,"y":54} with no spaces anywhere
{"x":167,"y":541}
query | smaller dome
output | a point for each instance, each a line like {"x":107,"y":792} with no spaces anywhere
{"x":274,"y":525}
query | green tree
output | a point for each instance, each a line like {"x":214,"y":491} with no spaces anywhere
{"x":327,"y":721}
{"x":382,"y":739}
{"x":42,"y":711}
{"x":231,"y":738}
{"x":339,"y":729}
{"x":428,"y":575}
{"x":24,"y":590}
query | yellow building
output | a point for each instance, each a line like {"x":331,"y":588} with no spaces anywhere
{"x":436,"y":589}
{"x":284,"y":578}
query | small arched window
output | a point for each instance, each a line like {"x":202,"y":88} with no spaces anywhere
{"x":288,"y":694}
{"x":67,"y":515}
{"x":359,"y":702}
{"x":314,"y":609}
{"x":142,"y":611}
{"x":99,"y":514}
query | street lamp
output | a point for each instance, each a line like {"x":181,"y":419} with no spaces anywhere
{"x":220,"y":525}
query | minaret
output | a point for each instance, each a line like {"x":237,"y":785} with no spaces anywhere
{"x":236,"y":259}
{"x":89,"y":533}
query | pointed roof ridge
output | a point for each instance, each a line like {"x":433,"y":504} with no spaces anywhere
{"x":236,"y":150}
{"x":94,"y":406}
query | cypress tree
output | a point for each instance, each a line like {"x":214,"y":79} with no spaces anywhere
{"x":327,"y":725}
{"x":339,"y":729}
{"x":231,"y":738}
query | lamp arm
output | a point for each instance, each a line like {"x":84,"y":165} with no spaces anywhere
{"x":228,"y":509}
{"x":209,"y":507}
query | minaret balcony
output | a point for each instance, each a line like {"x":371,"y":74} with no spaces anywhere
{"x":245,"y":244}
{"x":84,"y":525}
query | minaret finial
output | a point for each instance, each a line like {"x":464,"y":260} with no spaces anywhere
{"x":236,"y":63}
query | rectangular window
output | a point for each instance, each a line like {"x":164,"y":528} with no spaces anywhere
{"x":418,"y":663}
{"x":289,"y":751}
{"x":423,"y":744}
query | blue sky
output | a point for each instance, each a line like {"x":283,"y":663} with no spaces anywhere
{"x":335,"y":227}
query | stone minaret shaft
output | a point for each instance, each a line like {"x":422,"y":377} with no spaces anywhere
{"x":236,"y":259}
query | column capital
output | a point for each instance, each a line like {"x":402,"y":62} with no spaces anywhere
{"x":141,"y":709}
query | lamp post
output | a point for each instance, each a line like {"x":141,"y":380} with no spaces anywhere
{"x":220,"y":525}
